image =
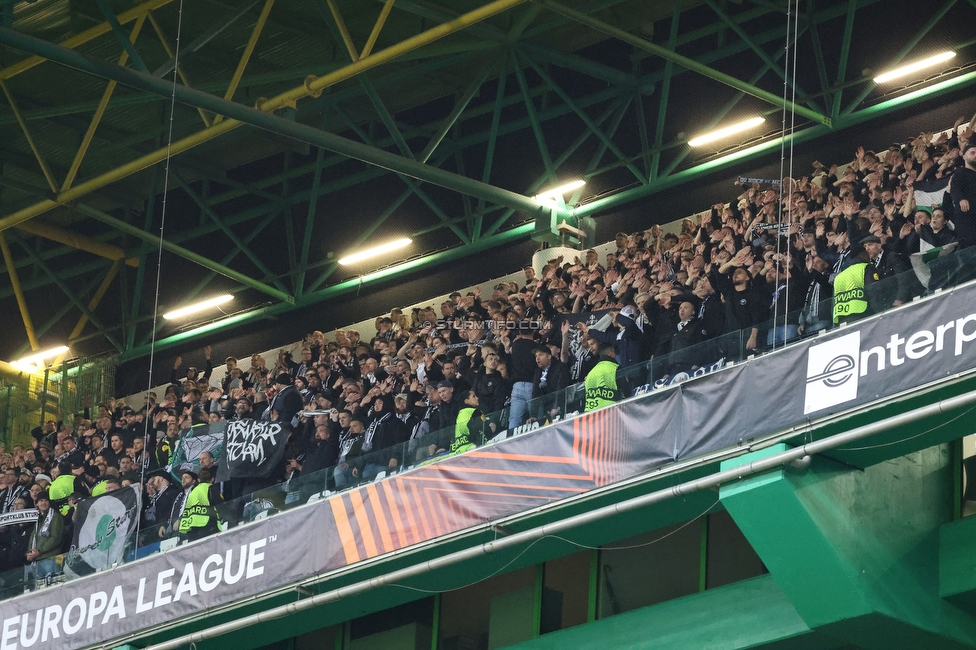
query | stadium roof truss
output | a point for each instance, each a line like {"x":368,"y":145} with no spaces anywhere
{"x":300,"y":128}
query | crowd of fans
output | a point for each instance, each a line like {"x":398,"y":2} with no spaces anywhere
{"x":443,"y":378}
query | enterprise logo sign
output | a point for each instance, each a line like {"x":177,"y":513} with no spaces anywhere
{"x":834,"y":368}
{"x":832,"y":372}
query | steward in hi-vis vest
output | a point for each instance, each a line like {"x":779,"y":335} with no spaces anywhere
{"x":601,"y":381}
{"x":199,"y":517}
{"x":469,"y":429}
{"x":850,"y":297}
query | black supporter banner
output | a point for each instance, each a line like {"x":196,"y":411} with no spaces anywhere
{"x":103,"y":526}
{"x":252,"y":448}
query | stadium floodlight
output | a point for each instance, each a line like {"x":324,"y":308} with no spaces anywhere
{"x":544,"y":198}
{"x":30,"y":362}
{"x":200,"y":306}
{"x":911,"y":68}
{"x":726,"y":132}
{"x":375,"y":251}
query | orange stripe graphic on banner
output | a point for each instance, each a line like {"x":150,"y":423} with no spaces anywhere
{"x":419,"y":505}
{"x":362,"y":518}
{"x":346,"y":535}
{"x":436,"y":522}
{"x":407,"y":506}
{"x":497,"y":494}
{"x":504,"y":472}
{"x":434,"y":479}
{"x":583,"y":431}
{"x":380,"y":515}
{"x":454,"y":517}
{"x":391,"y":504}
{"x":598,"y":449}
{"x":530,"y":459}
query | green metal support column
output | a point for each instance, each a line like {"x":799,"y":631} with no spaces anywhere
{"x":856,"y":552}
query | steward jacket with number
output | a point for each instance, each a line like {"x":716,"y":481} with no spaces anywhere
{"x":850,"y":299}
{"x":199,"y":516}
{"x":601,"y":385}
{"x":468,"y":430}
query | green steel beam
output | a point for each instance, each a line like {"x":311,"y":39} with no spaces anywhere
{"x":540,"y":140}
{"x":96,"y":279}
{"x":845,"y":51}
{"x":332,"y":265}
{"x":716,"y":119}
{"x":312,"y":208}
{"x":120,"y":34}
{"x":69,"y":292}
{"x":238,"y":243}
{"x":486,"y":168}
{"x":343,"y":288}
{"x":203,"y":261}
{"x":611,"y":131}
{"x":500,"y":221}
{"x":459,"y":107}
{"x":212,"y":32}
{"x":681,"y":60}
{"x":563,"y":95}
{"x":818,"y":56}
{"x":255,"y":117}
{"x":208,"y":278}
{"x":386,"y":117}
{"x":410,"y":183}
{"x":662,"y":109}
{"x":736,"y":27}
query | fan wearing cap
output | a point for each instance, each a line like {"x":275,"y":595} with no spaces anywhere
{"x":889,"y":264}
{"x":161,"y":493}
{"x":45,"y":542}
{"x":199,"y":517}
{"x":286,"y":403}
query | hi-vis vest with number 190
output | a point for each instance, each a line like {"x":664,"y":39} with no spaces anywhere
{"x":849,"y":298}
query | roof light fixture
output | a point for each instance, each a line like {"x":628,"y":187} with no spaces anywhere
{"x":200,"y":306}
{"x":911,"y":68}
{"x":726,"y":132}
{"x":28,"y":363}
{"x":546,"y":197}
{"x":375,"y":251}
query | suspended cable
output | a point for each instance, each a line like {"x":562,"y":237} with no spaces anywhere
{"x":159,"y":257}
{"x":792,"y":26}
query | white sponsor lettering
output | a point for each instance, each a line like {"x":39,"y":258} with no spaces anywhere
{"x":833,"y":367}
{"x":82,"y":607}
{"x":96,"y":605}
{"x":254,"y":556}
{"x":163,"y":584}
{"x":28,"y":641}
{"x":43,"y":626}
{"x":188,"y":583}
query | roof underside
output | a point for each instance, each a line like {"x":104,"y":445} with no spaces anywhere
{"x":461,"y":110}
